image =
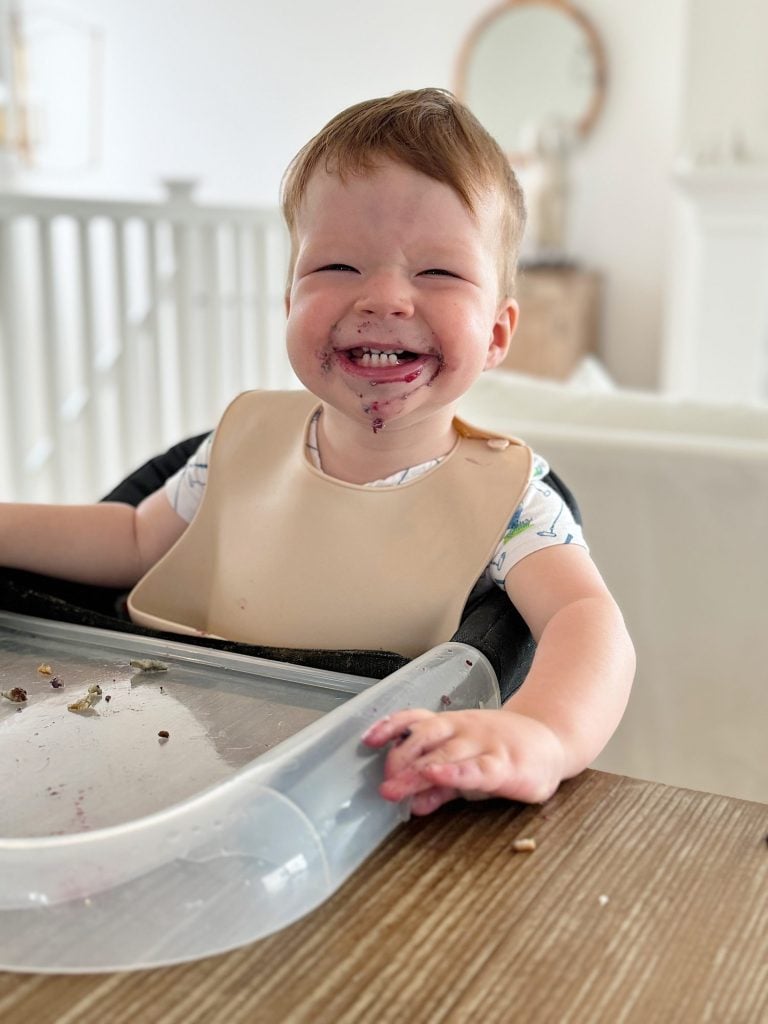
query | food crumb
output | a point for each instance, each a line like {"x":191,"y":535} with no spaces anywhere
{"x":164,"y":735}
{"x":56,"y":683}
{"x":603,"y":899}
{"x":17,"y":694}
{"x":45,"y":670}
{"x":86,"y":703}
{"x":108,"y":697}
{"x":148,"y":665}
{"x":527,"y":845}
{"x":445,"y":700}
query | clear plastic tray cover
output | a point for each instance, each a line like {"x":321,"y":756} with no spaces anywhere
{"x":123,"y":847}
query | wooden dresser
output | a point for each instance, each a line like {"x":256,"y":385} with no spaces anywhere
{"x":559,"y":320}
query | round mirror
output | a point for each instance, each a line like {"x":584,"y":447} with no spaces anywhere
{"x":532,"y":70}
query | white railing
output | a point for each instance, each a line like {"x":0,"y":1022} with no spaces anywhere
{"x":125,"y":327}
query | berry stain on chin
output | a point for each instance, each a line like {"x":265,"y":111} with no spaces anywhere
{"x":377,"y":424}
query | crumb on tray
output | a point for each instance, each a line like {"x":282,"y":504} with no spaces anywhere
{"x":86,"y":703}
{"x":148,"y":665}
{"x":17,"y":694}
{"x":45,"y":670}
{"x":527,"y":845}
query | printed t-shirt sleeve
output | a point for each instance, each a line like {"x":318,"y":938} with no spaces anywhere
{"x":541,"y":520}
{"x":184,"y":489}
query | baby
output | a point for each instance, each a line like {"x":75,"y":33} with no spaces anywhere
{"x":369,"y":507}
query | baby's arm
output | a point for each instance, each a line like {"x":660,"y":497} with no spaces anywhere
{"x":553,"y":726}
{"x":109,"y":544}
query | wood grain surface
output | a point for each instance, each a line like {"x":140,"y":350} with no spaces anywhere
{"x":641,"y":903}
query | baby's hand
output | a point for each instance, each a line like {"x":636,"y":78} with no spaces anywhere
{"x":437,"y":757}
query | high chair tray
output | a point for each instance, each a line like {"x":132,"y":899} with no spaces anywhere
{"x":191,"y":807}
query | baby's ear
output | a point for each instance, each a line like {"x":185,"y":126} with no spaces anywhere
{"x":502,"y":332}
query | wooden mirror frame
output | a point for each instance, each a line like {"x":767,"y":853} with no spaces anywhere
{"x":586,"y":122}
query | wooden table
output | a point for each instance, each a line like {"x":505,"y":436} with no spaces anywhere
{"x":641,"y":903}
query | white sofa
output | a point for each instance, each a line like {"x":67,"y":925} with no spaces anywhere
{"x":675,"y":503}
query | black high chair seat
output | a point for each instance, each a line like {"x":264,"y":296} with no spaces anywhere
{"x":490,"y":622}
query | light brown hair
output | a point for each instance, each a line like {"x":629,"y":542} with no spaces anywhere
{"x":428,"y":130}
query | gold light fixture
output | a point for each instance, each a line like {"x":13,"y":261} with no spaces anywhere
{"x":50,"y":86}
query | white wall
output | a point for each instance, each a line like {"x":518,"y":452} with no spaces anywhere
{"x":725,"y":101}
{"x":228,"y":91}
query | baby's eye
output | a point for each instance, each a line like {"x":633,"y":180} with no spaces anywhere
{"x":339,"y":266}
{"x":437,"y":272}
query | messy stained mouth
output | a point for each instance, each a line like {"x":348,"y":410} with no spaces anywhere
{"x":365,"y":356}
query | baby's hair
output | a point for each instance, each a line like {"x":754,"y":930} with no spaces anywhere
{"x":428,"y":130}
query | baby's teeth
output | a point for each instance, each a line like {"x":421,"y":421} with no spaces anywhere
{"x":379,"y":358}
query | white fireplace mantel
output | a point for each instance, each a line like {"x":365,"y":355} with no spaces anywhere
{"x":716,"y":335}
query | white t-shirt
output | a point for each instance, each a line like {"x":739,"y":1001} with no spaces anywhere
{"x":541,"y":520}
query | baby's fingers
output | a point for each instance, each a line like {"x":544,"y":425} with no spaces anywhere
{"x":482,"y":774}
{"x":408,"y":782}
{"x":431,"y":799}
{"x":394,"y":727}
{"x":406,"y":762}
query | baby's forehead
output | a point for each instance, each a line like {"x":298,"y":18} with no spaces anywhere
{"x":327,"y":184}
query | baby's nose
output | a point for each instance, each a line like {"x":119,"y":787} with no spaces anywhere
{"x":385,"y":295}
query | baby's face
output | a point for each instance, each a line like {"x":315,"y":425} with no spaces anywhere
{"x":394,"y":308}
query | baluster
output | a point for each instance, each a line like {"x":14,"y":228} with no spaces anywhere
{"x":14,"y":384}
{"x":182,"y":303}
{"x":126,"y":359}
{"x":51,"y":359}
{"x":285,"y":377}
{"x":261,"y":278}
{"x":213,"y":355}
{"x":95,"y":465}
{"x":246,"y":310}
{"x":179,"y":205}
{"x":237,"y":324}
{"x":153,"y":385}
